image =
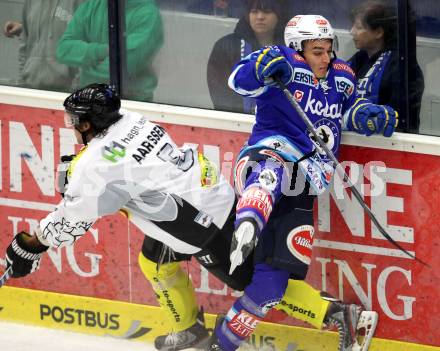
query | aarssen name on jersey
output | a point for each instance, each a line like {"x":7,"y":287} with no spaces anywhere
{"x":149,"y":143}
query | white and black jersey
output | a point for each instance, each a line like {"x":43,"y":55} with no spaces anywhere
{"x":136,"y":167}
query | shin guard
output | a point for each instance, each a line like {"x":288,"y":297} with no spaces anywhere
{"x":174,"y":292}
{"x":304,"y":302}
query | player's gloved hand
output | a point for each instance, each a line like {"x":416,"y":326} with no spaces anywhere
{"x":368,"y":118}
{"x":271,"y":63}
{"x":24,"y":255}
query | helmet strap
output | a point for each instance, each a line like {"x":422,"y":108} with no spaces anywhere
{"x":84,"y":135}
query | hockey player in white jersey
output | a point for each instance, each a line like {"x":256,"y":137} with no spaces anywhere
{"x":174,"y":195}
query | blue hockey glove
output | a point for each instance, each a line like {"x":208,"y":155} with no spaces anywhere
{"x":368,"y":118}
{"x":22,"y":257}
{"x":271,"y":63}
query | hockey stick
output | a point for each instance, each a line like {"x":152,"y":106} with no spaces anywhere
{"x":5,"y":276}
{"x":338,"y":167}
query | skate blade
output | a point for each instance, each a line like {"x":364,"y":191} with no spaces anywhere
{"x":201,"y":345}
{"x":368,"y":322}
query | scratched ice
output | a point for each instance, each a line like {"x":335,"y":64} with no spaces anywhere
{"x":18,"y":337}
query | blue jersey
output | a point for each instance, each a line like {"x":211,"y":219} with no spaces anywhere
{"x":279,"y":126}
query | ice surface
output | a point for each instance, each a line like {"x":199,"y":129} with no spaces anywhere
{"x":18,"y":337}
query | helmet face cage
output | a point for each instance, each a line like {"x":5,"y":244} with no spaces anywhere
{"x":71,"y":120}
{"x":308,"y":27}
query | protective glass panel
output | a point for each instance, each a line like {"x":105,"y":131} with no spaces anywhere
{"x":44,"y":45}
{"x":427,"y":19}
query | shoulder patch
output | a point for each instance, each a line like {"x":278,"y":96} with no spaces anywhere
{"x":298,"y":57}
{"x":339,"y":66}
{"x":344,"y":85}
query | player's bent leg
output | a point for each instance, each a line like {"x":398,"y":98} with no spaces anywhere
{"x":176,"y":297}
{"x":303,"y":302}
{"x":262,"y":189}
{"x":265,"y":291}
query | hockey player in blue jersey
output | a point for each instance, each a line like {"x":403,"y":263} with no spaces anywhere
{"x":282,"y":168}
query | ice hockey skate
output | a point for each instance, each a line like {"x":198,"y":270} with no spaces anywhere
{"x":350,"y":320}
{"x":213,"y":344}
{"x":243,"y":242}
{"x":195,"y":336}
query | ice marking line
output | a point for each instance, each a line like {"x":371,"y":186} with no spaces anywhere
{"x":337,"y":245}
{"x":31,"y":205}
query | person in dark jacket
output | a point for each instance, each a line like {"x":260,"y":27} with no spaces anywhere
{"x":263,"y":24}
{"x":376,"y":64}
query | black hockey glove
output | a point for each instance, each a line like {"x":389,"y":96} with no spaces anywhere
{"x":23,"y":257}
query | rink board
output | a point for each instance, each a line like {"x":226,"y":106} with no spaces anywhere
{"x":350,"y":258}
{"x":143,"y":323}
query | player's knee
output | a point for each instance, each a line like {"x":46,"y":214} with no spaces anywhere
{"x":268,"y":286}
{"x":151,"y":272}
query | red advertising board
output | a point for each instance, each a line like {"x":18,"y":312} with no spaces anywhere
{"x":351,"y":259}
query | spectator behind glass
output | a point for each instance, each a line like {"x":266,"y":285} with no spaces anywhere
{"x":263,"y":24}
{"x":85,"y":45}
{"x":376,"y":64}
{"x":43,"y":24}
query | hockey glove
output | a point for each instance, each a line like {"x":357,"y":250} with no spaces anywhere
{"x":23,"y":257}
{"x":271,"y":63}
{"x":368,"y":118}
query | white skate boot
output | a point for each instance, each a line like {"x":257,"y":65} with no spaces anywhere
{"x":350,"y":319}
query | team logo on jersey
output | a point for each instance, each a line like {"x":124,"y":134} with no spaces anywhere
{"x":114,"y":152}
{"x":304,"y":76}
{"x":344,"y":85}
{"x":316,"y":107}
{"x":325,"y":87}
{"x":300,"y":243}
{"x":329,"y":133}
{"x":203,"y":219}
{"x":298,"y":95}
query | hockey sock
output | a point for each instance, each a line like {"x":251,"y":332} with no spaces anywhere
{"x":262,"y":189}
{"x":174,"y":292}
{"x":265,"y":291}
{"x":304,"y":302}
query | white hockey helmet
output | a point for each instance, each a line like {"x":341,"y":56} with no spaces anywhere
{"x":308,"y":27}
